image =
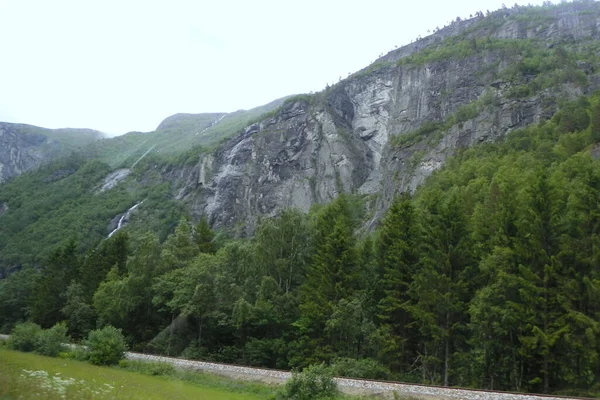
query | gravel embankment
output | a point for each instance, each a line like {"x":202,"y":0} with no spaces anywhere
{"x":350,"y":386}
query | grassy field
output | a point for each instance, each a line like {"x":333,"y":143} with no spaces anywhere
{"x":26,"y":375}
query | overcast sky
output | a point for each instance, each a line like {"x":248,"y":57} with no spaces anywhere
{"x":119,"y":66}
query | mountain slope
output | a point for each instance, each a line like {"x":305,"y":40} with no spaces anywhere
{"x":380,"y":132}
{"x":385,"y":129}
{"x":176,"y":135}
{"x":25,"y":147}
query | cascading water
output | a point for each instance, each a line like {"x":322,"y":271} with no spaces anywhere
{"x":211,"y":125}
{"x":123,"y":218}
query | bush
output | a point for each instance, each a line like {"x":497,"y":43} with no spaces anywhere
{"x":366,"y":368}
{"x":49,"y":342}
{"x":106,"y":346}
{"x":24,"y":336}
{"x":149,"y":368}
{"x":314,"y":383}
{"x":74,"y":353}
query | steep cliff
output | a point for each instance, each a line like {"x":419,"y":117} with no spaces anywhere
{"x":25,"y":147}
{"x":386,"y":128}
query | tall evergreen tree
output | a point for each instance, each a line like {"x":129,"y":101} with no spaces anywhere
{"x":205,"y":237}
{"x":397,"y":260}
{"x":332,"y":276}
{"x":179,"y":248}
{"x":443,"y":286}
{"x":48,"y":300}
{"x":97,"y":262}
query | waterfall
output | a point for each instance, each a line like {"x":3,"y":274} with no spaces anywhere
{"x":211,"y":125}
{"x":123,"y":218}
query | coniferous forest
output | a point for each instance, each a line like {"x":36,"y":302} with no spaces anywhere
{"x":488,"y":276}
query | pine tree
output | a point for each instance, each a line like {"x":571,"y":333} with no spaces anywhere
{"x":205,"y":237}
{"x":443,"y":286}
{"x":48,"y":300}
{"x":397,"y":260}
{"x":179,"y":248}
{"x":97,"y":262}
{"x":537,"y":247}
{"x":332,"y":276}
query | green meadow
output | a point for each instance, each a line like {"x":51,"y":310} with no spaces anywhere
{"x":27,"y":375}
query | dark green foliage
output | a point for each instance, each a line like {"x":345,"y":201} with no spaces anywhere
{"x":15,"y":292}
{"x":24,"y":336}
{"x":572,"y":117}
{"x":205,"y":237}
{"x":47,"y":300}
{"x":443,"y":286}
{"x":124,"y":299}
{"x":49,"y":342}
{"x":398,"y":258}
{"x":110,"y":253}
{"x":149,"y":368}
{"x":595,"y":131}
{"x":313,"y":383}
{"x":106,"y":346}
{"x":77,"y":311}
{"x":335,"y":258}
{"x":366,"y":368}
{"x":46,"y":214}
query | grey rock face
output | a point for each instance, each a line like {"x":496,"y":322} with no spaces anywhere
{"x":26,"y":147}
{"x":19,"y":153}
{"x":342,"y":140}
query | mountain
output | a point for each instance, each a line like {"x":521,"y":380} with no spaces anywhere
{"x":25,"y":147}
{"x":380,"y":132}
{"x":179,"y":135}
{"x":385,"y":129}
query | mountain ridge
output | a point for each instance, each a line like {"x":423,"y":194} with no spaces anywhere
{"x":24,"y":147}
{"x":385,"y":129}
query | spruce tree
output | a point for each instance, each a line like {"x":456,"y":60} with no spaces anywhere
{"x":397,"y":261}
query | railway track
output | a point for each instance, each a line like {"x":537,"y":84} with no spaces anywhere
{"x":380,"y":389}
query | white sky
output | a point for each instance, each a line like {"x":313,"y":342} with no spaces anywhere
{"x":119,"y":66}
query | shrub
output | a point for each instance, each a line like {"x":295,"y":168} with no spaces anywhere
{"x":23,"y":337}
{"x":366,"y":368}
{"x":149,"y":368}
{"x":49,"y":342}
{"x":74,"y":353}
{"x":106,"y":346}
{"x":313,"y":383}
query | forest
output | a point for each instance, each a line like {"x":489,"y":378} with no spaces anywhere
{"x":488,"y":276}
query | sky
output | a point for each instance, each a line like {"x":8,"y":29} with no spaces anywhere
{"x":120,"y":66}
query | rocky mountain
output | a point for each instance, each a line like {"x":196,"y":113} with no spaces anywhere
{"x":25,"y":147}
{"x":385,"y":129}
{"x":177,"y":136}
{"x":380,"y":132}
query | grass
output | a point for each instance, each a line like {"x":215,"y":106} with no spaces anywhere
{"x":198,"y":378}
{"x":26,"y":375}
